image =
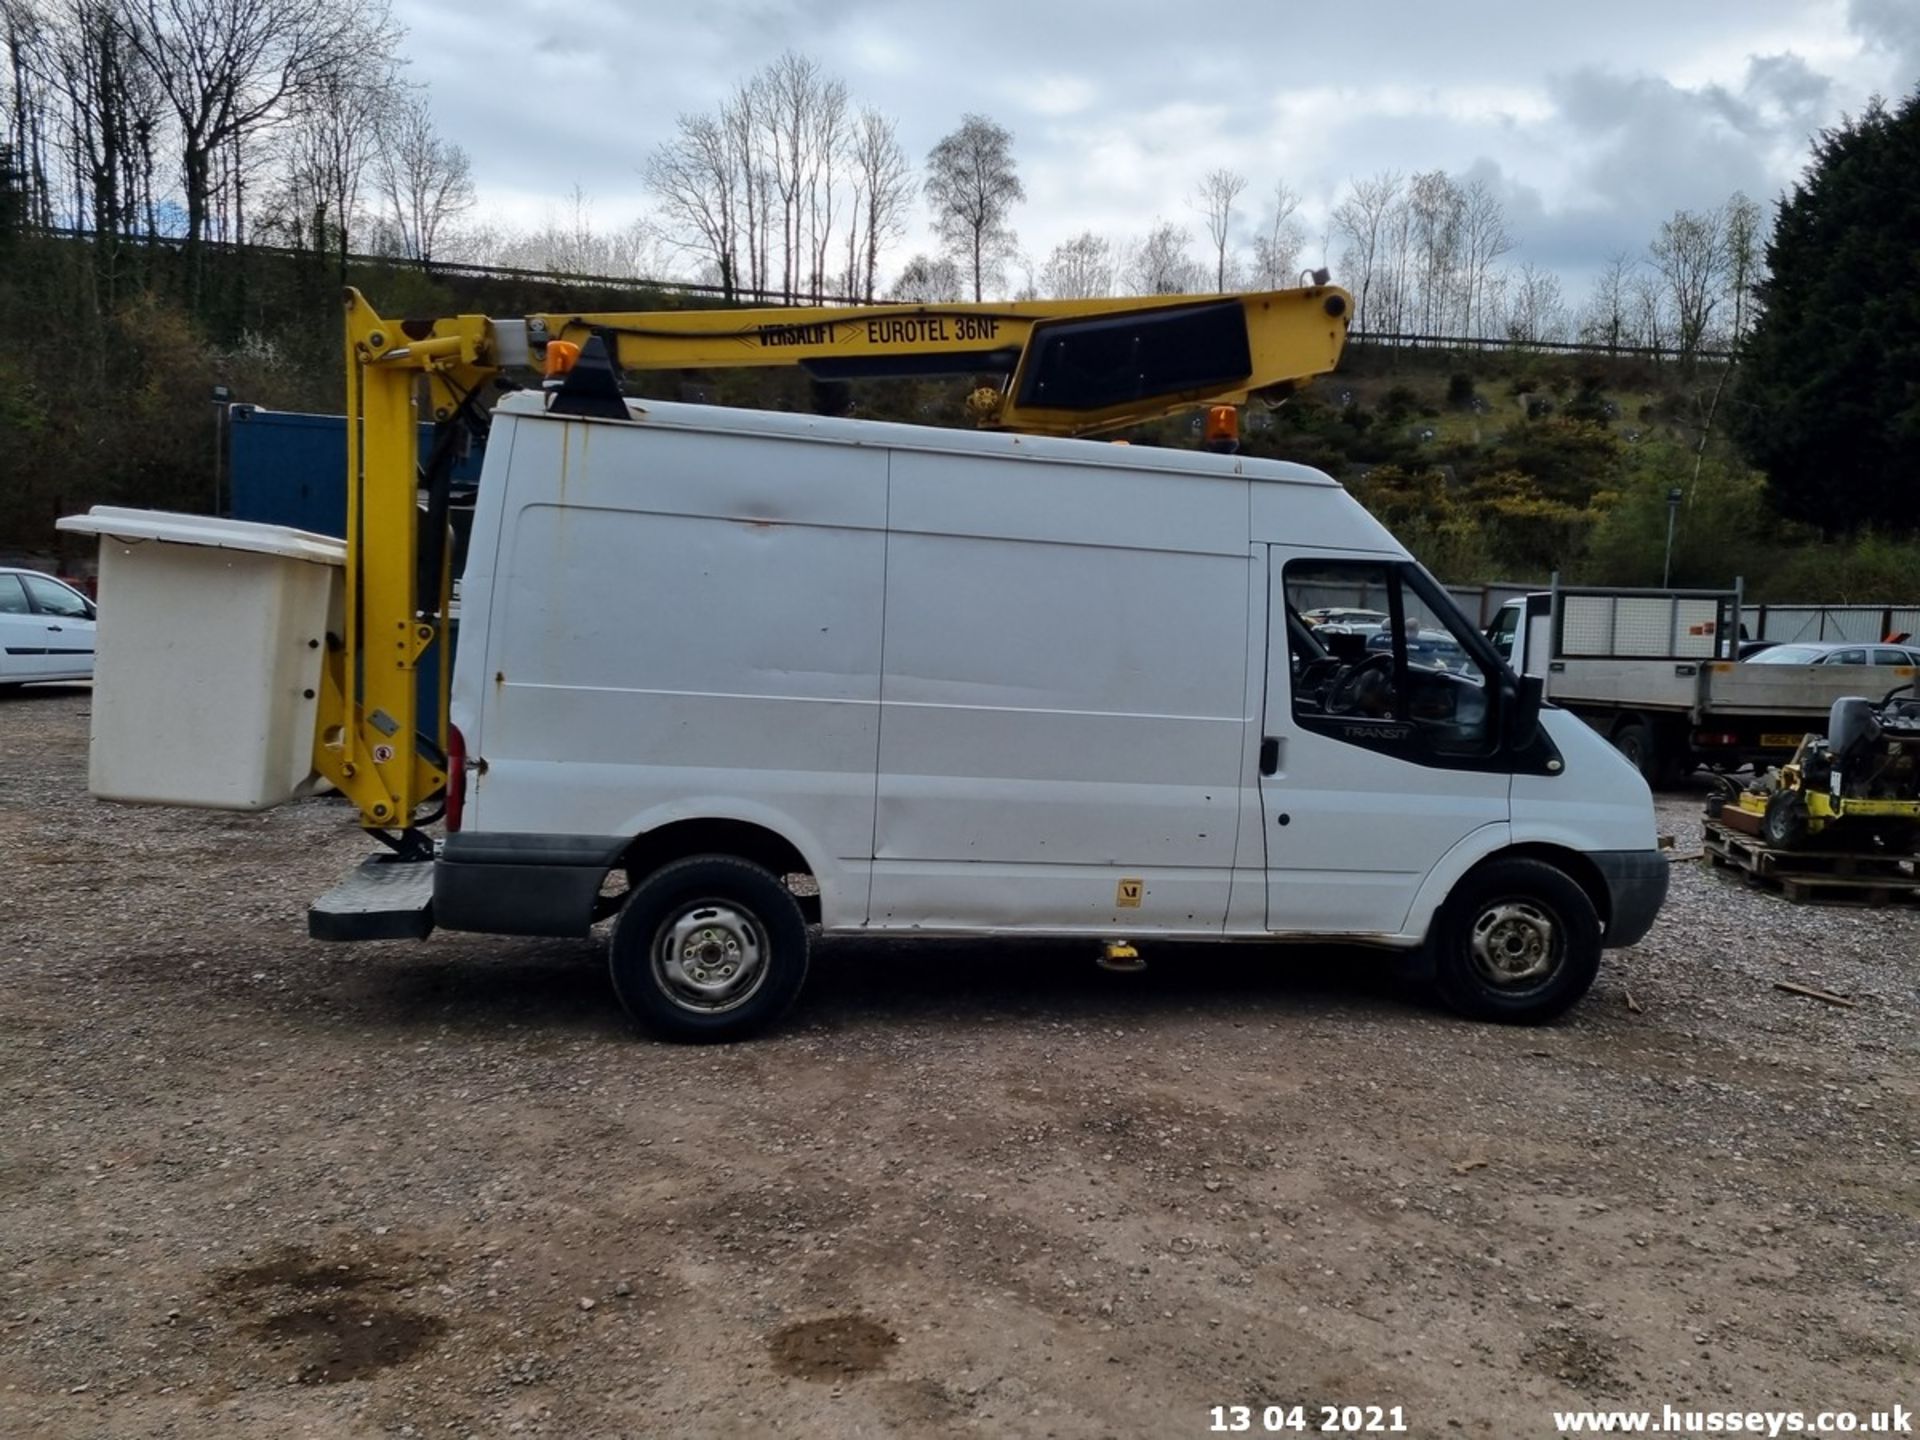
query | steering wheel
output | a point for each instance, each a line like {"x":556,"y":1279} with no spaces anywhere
{"x":1360,"y":681}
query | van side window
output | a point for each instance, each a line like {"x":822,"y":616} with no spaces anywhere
{"x":1410,"y":684}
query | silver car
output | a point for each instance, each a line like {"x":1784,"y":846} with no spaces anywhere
{"x":46,"y":629}
{"x":1836,"y":652}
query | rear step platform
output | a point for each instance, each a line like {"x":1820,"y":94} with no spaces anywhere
{"x":382,"y":898}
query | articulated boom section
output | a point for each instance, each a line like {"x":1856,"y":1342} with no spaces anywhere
{"x":1065,"y":367}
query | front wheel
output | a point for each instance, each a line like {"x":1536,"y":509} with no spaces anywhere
{"x":1518,"y":941}
{"x":1783,"y":824}
{"x":709,"y":948}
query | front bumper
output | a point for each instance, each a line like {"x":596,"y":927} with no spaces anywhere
{"x":1637,"y":883}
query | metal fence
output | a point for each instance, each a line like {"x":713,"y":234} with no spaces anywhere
{"x":744,"y":296}
{"x":1477,"y":602}
{"x":1863,"y":624}
{"x":1496,"y":343}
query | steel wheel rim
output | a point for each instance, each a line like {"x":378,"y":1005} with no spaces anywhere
{"x":710,"y":956}
{"x":1516,"y":944}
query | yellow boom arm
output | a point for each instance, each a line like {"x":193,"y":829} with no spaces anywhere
{"x":1068,"y":367}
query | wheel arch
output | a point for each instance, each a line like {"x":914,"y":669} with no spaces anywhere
{"x":1496,"y":842}
{"x":1575,"y":866}
{"x":753,"y":840}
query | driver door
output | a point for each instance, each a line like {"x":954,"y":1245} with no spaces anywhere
{"x":1382,"y":748}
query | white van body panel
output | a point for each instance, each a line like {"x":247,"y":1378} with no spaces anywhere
{"x":1064,"y":694}
{"x":1599,"y":802}
{"x":1352,"y":832}
{"x":982,"y":683}
{"x":677,"y":621}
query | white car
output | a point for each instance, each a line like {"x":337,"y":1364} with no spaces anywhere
{"x":46,"y":629}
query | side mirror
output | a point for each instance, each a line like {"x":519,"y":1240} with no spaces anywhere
{"x":1526,"y":697}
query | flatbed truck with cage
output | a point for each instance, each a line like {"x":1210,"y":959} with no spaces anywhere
{"x":1659,"y":673}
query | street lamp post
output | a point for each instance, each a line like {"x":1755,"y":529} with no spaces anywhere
{"x":221,"y":395}
{"x":1674,"y":497}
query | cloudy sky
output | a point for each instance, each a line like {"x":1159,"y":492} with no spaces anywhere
{"x":1595,"y":121}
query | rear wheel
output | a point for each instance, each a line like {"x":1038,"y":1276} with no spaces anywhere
{"x":1635,"y":740}
{"x":1518,"y":941}
{"x":709,"y":948}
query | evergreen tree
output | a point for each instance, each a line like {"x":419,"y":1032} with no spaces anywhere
{"x":1830,"y":376}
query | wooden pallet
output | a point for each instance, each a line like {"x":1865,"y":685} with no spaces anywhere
{"x":1815,"y":877}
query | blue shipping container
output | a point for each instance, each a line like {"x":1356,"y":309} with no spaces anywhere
{"x":291,"y":469}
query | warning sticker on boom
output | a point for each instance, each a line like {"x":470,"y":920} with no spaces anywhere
{"x":1127,"y":897}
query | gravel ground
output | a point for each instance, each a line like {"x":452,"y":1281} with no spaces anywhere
{"x":254,"y":1185}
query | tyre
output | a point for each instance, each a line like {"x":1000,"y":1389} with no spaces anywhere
{"x":1635,"y":740}
{"x":1518,"y":941}
{"x":709,"y":948}
{"x":1783,"y":825}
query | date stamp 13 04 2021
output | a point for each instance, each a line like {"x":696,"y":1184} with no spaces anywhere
{"x":1307,"y":1420}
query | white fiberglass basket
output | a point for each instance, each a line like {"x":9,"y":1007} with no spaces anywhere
{"x":208,"y":656}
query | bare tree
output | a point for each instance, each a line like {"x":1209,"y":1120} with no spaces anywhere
{"x":336,"y":133}
{"x":701,"y":180}
{"x":231,"y":68}
{"x":1483,"y":227}
{"x":24,"y":31}
{"x":1647,"y":296}
{"x":1214,"y":199}
{"x":825,"y":146}
{"x":425,"y":181}
{"x":884,"y":184}
{"x":1434,"y":205}
{"x":1160,"y":264}
{"x":569,"y":243}
{"x":929,"y":280}
{"x":1276,"y":249}
{"x":789,"y":94}
{"x":785,"y":153}
{"x":743,"y":119}
{"x":973,"y":186}
{"x":1741,"y":222}
{"x":1609,"y":316}
{"x":1361,"y":219}
{"x":1537,"y":312}
{"x":1078,"y":269}
{"x":109,"y":112}
{"x":1690,"y":256}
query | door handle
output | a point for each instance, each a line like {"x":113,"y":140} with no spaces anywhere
{"x":1270,"y":755}
{"x":56,"y":627}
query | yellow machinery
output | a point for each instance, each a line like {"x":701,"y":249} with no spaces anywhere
{"x":1066,"y":367}
{"x":1859,"y":783}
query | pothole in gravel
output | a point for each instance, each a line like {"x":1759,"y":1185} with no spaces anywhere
{"x":346,"y":1340}
{"x":300,"y":1270}
{"x":337,"y":1333}
{"x":836,"y":1348}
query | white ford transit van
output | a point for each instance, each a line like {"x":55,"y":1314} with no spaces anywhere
{"x":980,"y":684}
